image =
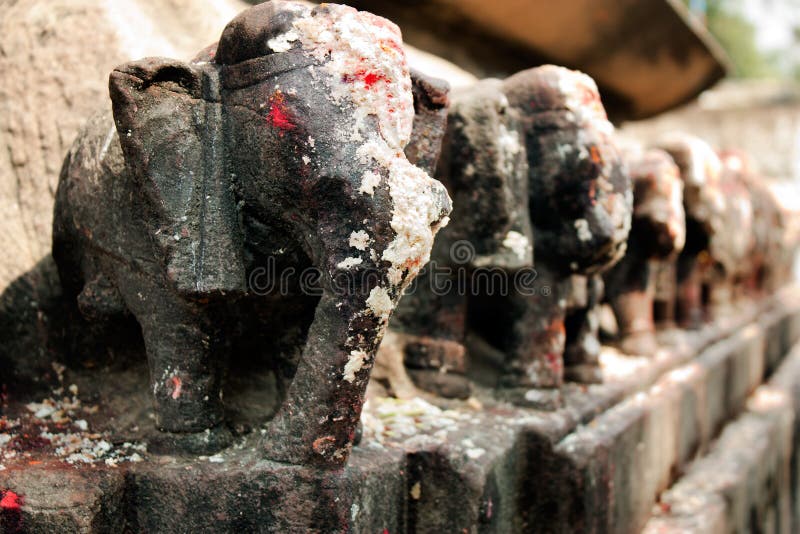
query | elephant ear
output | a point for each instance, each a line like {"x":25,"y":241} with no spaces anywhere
{"x":431,"y":101}
{"x":169,"y":123}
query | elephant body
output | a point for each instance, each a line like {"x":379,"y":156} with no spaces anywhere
{"x":277,"y":150}
{"x":484,"y":169}
{"x":580,"y":202}
{"x":658,"y":233}
{"x":704,"y":205}
{"x":534,"y":174}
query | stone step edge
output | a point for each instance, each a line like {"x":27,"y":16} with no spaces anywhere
{"x":744,"y":483}
{"x":606,"y":475}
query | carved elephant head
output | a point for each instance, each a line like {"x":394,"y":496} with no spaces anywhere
{"x":658,"y":227}
{"x":483,"y":166}
{"x":283,"y":144}
{"x":579,"y":191}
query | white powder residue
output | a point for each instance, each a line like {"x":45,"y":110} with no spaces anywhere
{"x":517,"y":243}
{"x":365,"y":53}
{"x":369,"y":181}
{"x":347,"y":263}
{"x":475,"y":453}
{"x":379,"y":302}
{"x":509,"y":147}
{"x":354,"y":364}
{"x":283,"y":42}
{"x":395,"y":276}
{"x":416,"y":207}
{"x":582,"y":228}
{"x":359,"y":240}
{"x":581,"y":95}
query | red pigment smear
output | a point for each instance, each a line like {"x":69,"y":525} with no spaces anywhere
{"x":278,"y":115}
{"x":11,"y":502}
{"x":368,"y":78}
{"x":176,"y":386}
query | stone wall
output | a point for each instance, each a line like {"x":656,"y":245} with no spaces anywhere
{"x":55,"y":57}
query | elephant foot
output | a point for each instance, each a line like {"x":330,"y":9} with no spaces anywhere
{"x":209,"y":441}
{"x":448,"y":385}
{"x":587,"y":373}
{"x":639,"y":344}
{"x":547,"y":399}
{"x":693,"y":322}
{"x":423,"y":352}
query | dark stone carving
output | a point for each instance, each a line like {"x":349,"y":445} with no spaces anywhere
{"x":704,"y":204}
{"x":484,"y":168}
{"x":769,"y":259}
{"x":533,"y":171}
{"x":658,"y":232}
{"x":580,"y":204}
{"x":584,"y":295}
{"x":279,"y":150}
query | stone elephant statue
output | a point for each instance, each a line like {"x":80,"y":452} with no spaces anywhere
{"x":580,"y":201}
{"x":534,"y":174}
{"x":704,"y":204}
{"x":277,"y":150}
{"x":771,"y":255}
{"x":483,"y":166}
{"x":658,"y":233}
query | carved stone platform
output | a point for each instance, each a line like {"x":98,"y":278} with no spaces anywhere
{"x":423,"y":465}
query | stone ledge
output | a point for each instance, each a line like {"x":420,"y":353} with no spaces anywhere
{"x":481,"y":465}
{"x":607,"y":474}
{"x":748,"y":480}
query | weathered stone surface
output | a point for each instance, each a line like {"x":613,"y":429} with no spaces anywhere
{"x":478,"y":465}
{"x":258,"y":496}
{"x":55,"y":57}
{"x":606,"y":475}
{"x":748,"y":480}
{"x":57,"y":498}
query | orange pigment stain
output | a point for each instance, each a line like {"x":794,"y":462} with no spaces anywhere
{"x":595,"y":155}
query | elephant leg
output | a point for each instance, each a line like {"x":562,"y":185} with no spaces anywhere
{"x":317,"y":422}
{"x":631,"y":292}
{"x":186,"y":361}
{"x":582,"y":326}
{"x":689,"y":301}
{"x":665,"y":283}
{"x":535,"y":337}
{"x":433,"y":329}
